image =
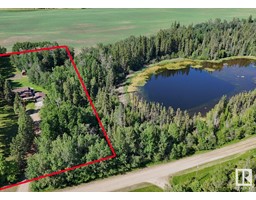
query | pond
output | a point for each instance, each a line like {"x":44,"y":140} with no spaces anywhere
{"x":198,"y":90}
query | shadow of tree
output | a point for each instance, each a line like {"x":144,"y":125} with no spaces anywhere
{"x":6,"y":69}
{"x":15,"y":84}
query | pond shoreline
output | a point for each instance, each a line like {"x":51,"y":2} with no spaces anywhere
{"x":140,"y":78}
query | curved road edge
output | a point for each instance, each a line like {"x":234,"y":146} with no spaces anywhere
{"x":162,"y":171}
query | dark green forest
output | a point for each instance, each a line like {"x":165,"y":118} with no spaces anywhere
{"x":142,"y":133}
{"x":9,"y":170}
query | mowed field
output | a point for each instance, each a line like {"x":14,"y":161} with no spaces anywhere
{"x":87,"y":27}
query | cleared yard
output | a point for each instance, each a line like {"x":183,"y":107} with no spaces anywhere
{"x":22,"y":81}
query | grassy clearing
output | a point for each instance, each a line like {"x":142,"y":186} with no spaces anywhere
{"x":24,"y":82}
{"x":140,"y":78}
{"x":87,"y":27}
{"x":203,"y":172}
{"x":8,"y":126}
{"x":30,"y":106}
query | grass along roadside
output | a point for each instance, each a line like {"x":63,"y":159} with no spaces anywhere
{"x":214,"y":163}
{"x":141,"y":187}
{"x":204,"y":172}
{"x":139,"y":78}
{"x":149,"y":188}
{"x":202,"y":151}
{"x":200,"y":173}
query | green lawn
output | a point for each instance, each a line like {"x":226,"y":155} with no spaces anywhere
{"x":24,"y":82}
{"x":8,"y":126}
{"x":30,"y":106}
{"x":87,"y":27}
{"x":141,"y":187}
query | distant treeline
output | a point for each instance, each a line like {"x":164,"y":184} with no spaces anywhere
{"x":109,"y":64}
{"x":141,"y":132}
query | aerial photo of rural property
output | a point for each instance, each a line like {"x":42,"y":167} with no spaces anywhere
{"x":128,"y":100}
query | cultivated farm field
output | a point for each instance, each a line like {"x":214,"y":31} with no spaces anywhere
{"x":87,"y":27}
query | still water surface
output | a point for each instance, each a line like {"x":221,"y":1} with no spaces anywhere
{"x":198,"y":90}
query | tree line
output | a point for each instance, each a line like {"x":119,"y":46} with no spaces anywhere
{"x":217,"y":178}
{"x":108,"y":65}
{"x":141,"y":132}
{"x":38,"y":65}
{"x":13,"y":159}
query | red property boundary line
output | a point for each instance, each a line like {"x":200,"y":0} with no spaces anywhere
{"x":92,"y":105}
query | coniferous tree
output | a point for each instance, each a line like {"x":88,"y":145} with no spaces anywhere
{"x":21,"y":144}
{"x":2,"y":81}
{"x":17,"y":104}
{"x":3,"y":169}
{"x":8,"y":94}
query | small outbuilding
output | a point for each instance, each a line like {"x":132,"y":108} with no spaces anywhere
{"x":23,"y":72}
